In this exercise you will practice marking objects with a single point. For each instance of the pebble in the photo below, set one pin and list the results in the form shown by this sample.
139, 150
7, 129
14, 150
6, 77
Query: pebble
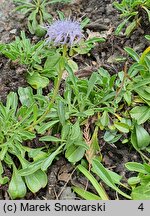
1, 29
106, 21
13, 31
110, 9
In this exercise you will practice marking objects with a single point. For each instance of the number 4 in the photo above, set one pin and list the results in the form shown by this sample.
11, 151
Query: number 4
141, 207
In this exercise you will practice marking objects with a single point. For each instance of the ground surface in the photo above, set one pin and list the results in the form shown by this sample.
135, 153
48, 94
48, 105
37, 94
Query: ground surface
104, 19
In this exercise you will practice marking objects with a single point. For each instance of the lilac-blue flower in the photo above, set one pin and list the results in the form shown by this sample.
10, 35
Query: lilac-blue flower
64, 32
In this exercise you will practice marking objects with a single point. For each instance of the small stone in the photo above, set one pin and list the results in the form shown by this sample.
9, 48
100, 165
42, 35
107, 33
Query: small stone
103, 54
1, 29
106, 21
109, 9
13, 31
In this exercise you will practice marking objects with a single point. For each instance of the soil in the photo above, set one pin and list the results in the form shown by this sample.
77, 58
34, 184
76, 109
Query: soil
103, 21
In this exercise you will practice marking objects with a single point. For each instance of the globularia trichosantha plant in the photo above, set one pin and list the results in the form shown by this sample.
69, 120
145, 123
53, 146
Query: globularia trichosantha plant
37, 113
108, 101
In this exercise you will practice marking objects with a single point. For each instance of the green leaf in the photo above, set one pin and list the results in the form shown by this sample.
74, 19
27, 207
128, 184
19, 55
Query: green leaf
85, 194
134, 140
142, 136
84, 22
12, 101
65, 131
108, 136
133, 181
26, 135
131, 28
35, 112
75, 131
17, 188
122, 127
40, 31
144, 95
120, 26
94, 40
89, 112
51, 61
30, 168
147, 37
128, 97
60, 14
91, 83
100, 170
50, 139
132, 53
45, 126
81, 143
61, 63
37, 154
3, 180
104, 119
143, 82
48, 161
3, 152
26, 114
114, 176
101, 192
36, 181
147, 167
140, 113
61, 112
26, 96
72, 78
111, 137
95, 141
74, 153
37, 81
141, 193
73, 65
148, 12
136, 167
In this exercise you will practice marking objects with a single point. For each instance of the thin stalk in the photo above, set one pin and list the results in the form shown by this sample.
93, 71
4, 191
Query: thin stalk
56, 89
51, 102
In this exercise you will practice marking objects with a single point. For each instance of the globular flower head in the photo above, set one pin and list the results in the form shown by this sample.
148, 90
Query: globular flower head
64, 32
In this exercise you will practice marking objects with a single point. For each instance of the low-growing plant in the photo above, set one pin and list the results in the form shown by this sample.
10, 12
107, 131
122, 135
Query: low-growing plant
115, 104
28, 165
42, 59
139, 183
37, 14
23, 51
13, 122
131, 12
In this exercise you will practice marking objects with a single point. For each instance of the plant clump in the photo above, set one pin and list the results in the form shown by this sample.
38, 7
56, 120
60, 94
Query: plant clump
76, 119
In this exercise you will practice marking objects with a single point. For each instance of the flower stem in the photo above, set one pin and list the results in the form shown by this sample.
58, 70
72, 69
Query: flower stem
56, 89
64, 50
